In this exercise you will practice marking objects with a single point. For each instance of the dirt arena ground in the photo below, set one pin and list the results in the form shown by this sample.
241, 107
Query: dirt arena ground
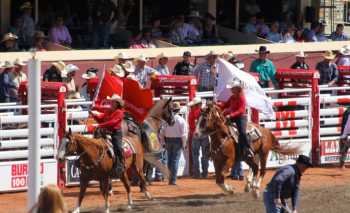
325, 190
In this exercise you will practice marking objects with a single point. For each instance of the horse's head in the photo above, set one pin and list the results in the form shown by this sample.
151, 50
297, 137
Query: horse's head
209, 120
167, 113
68, 146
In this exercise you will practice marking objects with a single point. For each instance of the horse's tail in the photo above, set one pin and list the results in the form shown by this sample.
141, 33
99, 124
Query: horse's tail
154, 159
285, 149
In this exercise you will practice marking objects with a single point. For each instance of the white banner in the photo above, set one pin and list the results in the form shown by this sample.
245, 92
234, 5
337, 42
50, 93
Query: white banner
330, 152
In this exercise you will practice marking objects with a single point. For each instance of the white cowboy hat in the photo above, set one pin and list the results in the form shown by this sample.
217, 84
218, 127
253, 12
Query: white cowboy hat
75, 95
19, 62
212, 52
194, 14
141, 58
234, 84
132, 77
162, 55
329, 55
121, 56
8, 64
301, 54
26, 5
117, 98
9, 36
71, 68
129, 67
89, 75
118, 70
60, 65
345, 50
195, 101
230, 55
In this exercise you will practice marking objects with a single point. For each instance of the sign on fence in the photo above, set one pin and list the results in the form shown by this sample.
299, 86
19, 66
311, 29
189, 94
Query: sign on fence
330, 152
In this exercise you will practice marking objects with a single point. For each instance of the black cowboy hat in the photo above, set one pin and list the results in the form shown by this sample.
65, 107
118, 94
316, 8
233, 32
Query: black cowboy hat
303, 159
263, 49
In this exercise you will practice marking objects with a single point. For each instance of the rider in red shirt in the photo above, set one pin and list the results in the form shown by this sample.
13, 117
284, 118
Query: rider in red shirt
235, 111
111, 119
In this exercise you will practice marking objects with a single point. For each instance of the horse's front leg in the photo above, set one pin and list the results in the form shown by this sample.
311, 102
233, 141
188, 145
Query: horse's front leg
249, 180
105, 187
84, 182
220, 179
124, 178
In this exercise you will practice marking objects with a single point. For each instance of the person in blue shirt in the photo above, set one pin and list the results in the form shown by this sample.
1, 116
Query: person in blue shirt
338, 34
274, 35
284, 185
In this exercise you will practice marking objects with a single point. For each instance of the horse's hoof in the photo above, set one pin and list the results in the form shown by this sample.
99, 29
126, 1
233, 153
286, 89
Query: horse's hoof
77, 210
129, 207
256, 193
110, 192
107, 211
247, 188
148, 196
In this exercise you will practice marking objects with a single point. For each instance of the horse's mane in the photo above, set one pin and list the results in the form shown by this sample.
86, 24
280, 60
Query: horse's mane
157, 108
90, 141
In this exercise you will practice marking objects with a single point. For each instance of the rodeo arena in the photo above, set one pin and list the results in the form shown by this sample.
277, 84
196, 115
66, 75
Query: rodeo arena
174, 106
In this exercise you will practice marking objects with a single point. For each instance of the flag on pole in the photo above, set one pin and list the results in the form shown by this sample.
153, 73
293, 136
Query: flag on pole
108, 86
255, 95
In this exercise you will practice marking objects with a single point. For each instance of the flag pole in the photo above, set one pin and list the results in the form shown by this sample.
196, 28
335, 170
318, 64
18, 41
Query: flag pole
99, 86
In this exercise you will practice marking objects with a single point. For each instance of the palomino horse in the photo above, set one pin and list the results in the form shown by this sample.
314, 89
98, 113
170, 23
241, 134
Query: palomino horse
224, 148
95, 162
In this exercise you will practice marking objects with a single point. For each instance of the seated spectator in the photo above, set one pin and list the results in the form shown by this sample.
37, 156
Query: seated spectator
146, 39
156, 31
39, 41
344, 56
17, 76
274, 35
264, 67
299, 35
288, 35
9, 43
59, 33
50, 201
206, 72
311, 35
143, 72
162, 67
210, 30
261, 28
250, 27
28, 27
320, 35
195, 19
184, 67
16, 29
300, 62
70, 71
327, 69
53, 74
183, 33
6, 86
338, 34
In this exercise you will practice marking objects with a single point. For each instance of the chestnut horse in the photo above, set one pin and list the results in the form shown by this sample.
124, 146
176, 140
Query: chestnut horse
95, 162
224, 148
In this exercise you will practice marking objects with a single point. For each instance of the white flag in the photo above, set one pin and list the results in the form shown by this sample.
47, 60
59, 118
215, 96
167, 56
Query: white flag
255, 95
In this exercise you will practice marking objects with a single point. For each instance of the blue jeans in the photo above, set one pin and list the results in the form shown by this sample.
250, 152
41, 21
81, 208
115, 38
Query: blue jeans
237, 169
173, 147
198, 143
270, 205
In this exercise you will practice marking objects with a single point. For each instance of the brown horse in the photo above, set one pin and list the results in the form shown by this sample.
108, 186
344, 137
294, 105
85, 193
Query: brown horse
95, 162
224, 148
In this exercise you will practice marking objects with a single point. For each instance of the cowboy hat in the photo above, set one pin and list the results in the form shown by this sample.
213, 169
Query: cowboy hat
129, 67
304, 160
89, 75
176, 106
234, 84
141, 58
60, 65
230, 56
118, 70
116, 98
329, 55
262, 49
345, 50
75, 95
39, 34
212, 53
92, 69
195, 101
194, 14
26, 5
70, 68
9, 36
8, 64
121, 56
18, 62
301, 54
162, 55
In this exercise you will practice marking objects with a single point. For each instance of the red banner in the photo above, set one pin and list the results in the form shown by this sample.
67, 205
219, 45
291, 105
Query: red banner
110, 85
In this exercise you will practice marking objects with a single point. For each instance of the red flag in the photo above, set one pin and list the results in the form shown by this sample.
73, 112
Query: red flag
108, 86
138, 101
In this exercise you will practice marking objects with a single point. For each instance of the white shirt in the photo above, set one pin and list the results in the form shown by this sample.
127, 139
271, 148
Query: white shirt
178, 130
344, 61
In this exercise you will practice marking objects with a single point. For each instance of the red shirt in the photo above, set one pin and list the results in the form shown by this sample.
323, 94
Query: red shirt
193, 116
234, 107
112, 121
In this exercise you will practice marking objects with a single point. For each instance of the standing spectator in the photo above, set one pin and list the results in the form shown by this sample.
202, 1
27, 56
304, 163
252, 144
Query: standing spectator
39, 41
344, 56
16, 29
53, 74
250, 27
175, 137
311, 35
210, 30
17, 76
6, 85
206, 73
261, 28
251, 7
338, 34
71, 69
156, 31
142, 71
84, 91
185, 67
198, 142
59, 33
162, 68
274, 35
28, 27
264, 67
9, 43
121, 58
327, 69
284, 185
300, 61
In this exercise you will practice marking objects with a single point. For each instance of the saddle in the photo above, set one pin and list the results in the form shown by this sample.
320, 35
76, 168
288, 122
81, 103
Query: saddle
253, 133
128, 148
